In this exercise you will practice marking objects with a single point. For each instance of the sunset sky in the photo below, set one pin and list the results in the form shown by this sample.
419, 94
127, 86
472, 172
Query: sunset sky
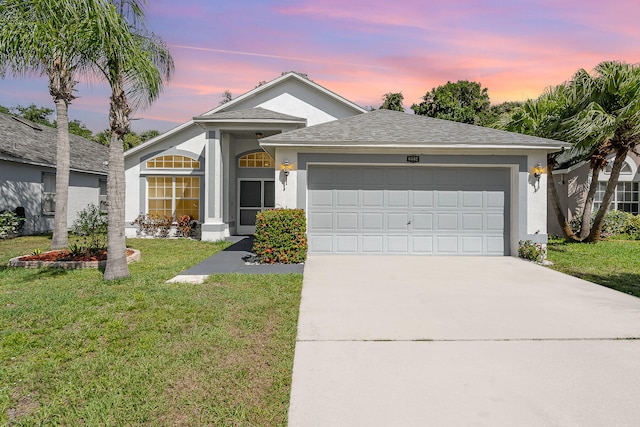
362, 49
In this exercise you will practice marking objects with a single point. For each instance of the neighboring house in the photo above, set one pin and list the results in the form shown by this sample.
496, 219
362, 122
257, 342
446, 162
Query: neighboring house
378, 182
572, 184
28, 172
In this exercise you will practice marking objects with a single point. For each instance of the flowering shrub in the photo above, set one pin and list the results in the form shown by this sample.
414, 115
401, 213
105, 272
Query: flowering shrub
281, 236
161, 226
9, 224
532, 251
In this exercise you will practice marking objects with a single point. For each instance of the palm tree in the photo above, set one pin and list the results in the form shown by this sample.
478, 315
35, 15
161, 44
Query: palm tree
47, 37
544, 117
609, 117
135, 64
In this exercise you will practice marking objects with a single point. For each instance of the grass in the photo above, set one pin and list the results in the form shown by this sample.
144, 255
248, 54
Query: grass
611, 263
76, 350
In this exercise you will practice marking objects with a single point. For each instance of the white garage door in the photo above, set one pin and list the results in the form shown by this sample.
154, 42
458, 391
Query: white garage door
408, 210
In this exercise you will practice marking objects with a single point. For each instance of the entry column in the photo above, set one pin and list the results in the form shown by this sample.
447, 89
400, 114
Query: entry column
213, 227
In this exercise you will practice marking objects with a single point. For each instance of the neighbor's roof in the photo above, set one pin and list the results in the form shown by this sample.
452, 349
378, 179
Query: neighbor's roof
386, 128
257, 114
23, 141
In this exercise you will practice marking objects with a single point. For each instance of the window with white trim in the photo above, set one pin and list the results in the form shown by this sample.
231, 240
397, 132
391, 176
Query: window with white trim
174, 196
259, 159
625, 197
48, 193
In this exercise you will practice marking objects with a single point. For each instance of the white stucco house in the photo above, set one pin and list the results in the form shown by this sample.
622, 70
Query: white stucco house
370, 182
28, 173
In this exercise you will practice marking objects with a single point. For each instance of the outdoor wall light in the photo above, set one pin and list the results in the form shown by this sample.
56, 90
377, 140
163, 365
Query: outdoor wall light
286, 167
538, 170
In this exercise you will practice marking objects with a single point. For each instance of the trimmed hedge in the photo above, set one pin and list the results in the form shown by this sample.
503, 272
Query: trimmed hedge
281, 236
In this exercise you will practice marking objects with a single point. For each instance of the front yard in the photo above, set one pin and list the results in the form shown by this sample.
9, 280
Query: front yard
613, 263
78, 351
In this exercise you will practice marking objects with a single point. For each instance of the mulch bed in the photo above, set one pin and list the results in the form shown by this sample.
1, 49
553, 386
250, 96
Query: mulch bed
65, 255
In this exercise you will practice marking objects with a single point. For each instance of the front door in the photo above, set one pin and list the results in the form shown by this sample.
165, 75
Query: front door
254, 195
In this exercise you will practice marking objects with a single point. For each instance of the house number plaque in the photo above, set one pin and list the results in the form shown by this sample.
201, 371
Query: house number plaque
413, 159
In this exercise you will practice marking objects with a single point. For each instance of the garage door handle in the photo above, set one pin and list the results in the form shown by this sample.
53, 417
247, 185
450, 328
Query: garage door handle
409, 223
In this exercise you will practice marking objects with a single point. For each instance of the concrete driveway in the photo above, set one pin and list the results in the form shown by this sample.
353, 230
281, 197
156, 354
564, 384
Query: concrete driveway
461, 341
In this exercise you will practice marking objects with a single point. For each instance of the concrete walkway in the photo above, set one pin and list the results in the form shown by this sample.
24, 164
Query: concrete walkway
233, 260
459, 341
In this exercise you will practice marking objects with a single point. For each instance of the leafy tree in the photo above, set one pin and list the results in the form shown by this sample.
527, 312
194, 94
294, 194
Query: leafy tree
134, 63
49, 37
463, 101
4, 110
131, 139
392, 101
76, 127
497, 111
149, 134
35, 114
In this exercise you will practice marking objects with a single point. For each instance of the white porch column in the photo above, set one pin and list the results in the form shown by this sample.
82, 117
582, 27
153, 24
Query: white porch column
213, 227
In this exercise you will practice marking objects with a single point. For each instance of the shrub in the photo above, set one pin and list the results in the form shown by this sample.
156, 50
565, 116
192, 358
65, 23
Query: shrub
616, 222
281, 236
91, 223
532, 251
161, 226
10, 223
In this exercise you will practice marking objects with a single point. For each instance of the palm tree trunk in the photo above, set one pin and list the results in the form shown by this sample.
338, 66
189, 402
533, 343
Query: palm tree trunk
60, 237
117, 266
565, 228
596, 229
587, 212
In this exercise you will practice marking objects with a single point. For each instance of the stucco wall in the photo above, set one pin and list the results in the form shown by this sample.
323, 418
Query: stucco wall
21, 185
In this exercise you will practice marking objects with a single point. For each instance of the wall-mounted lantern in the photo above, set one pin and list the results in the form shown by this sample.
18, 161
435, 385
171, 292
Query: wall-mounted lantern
286, 167
538, 170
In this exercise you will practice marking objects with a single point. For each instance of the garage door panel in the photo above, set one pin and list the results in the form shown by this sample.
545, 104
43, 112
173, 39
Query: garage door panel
398, 244
373, 198
321, 221
397, 199
494, 222
321, 244
373, 244
447, 245
422, 198
347, 198
346, 244
472, 199
397, 221
372, 221
321, 198
347, 221
422, 222
472, 221
447, 199
422, 244
472, 245
408, 210
447, 221
495, 199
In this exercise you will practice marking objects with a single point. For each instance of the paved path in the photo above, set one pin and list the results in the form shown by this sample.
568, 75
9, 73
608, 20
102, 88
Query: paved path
232, 260
460, 341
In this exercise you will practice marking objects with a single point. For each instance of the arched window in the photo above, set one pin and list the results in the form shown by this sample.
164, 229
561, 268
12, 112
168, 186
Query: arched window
173, 162
626, 169
259, 159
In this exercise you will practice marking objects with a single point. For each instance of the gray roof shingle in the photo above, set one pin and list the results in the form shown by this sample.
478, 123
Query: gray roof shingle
386, 127
20, 142
257, 113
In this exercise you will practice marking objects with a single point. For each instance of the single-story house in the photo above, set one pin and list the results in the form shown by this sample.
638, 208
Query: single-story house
370, 182
28, 172
572, 182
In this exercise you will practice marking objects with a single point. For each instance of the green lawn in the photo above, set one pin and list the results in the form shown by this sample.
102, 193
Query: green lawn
78, 351
613, 263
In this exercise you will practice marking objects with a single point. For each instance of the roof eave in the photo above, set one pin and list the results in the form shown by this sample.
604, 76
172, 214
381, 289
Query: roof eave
352, 144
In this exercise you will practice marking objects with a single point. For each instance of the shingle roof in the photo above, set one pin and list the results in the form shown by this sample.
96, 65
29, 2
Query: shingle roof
257, 113
386, 127
21, 142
